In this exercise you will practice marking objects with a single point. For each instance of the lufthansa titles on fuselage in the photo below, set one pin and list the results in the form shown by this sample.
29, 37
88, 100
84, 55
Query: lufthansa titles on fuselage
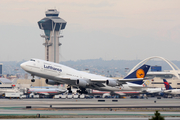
52, 68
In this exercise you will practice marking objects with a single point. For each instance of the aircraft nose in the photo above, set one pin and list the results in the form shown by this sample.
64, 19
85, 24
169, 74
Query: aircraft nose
23, 65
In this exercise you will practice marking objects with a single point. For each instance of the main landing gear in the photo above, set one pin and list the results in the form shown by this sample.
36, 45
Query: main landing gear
82, 91
69, 89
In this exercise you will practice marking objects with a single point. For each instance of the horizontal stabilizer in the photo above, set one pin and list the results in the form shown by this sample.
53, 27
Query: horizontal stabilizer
130, 79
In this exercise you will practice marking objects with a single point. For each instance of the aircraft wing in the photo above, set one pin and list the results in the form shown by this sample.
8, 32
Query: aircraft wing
140, 86
77, 78
118, 80
103, 80
75, 81
123, 81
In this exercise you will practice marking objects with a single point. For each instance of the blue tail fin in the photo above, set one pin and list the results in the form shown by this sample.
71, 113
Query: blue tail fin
167, 85
139, 73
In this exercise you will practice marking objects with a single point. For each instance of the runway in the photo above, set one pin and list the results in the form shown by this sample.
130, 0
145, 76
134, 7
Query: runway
91, 103
168, 118
90, 108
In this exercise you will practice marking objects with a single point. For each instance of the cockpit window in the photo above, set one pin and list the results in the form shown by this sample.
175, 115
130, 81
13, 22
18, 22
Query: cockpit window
32, 60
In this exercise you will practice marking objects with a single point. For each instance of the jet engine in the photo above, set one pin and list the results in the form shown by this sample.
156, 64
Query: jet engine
111, 83
51, 82
81, 83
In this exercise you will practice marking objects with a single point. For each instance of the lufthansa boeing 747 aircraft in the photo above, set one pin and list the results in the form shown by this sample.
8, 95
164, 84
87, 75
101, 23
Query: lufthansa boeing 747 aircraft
60, 74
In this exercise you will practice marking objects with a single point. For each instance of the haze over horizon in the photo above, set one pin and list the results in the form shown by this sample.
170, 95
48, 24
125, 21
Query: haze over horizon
119, 30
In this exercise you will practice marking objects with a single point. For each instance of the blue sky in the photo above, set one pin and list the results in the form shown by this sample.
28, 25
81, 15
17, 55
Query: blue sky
107, 29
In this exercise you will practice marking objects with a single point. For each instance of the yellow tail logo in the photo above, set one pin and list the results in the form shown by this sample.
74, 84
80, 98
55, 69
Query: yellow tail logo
140, 73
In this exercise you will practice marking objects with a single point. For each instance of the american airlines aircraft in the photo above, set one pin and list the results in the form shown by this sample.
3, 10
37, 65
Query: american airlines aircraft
60, 74
49, 92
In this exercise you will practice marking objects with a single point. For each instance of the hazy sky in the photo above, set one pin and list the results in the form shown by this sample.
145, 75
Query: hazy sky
108, 29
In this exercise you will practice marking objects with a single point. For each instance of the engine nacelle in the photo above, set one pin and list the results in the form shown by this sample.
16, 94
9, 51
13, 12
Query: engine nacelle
111, 83
81, 83
51, 82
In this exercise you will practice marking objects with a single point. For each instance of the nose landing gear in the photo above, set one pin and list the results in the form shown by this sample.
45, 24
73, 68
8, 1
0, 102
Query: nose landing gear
32, 80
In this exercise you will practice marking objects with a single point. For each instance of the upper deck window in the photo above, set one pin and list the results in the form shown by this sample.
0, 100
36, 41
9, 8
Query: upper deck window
32, 60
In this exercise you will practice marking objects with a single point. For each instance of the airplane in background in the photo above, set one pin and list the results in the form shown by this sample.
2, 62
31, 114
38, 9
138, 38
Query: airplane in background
110, 93
153, 91
169, 89
46, 92
60, 74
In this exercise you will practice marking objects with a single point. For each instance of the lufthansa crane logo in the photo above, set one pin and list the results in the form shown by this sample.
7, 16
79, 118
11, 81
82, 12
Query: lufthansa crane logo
140, 73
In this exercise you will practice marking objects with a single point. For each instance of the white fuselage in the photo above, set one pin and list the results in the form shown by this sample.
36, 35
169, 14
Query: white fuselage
3, 91
154, 90
173, 91
56, 72
51, 91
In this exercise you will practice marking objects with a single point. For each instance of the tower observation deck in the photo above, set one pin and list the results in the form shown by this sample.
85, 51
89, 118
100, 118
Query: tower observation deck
52, 26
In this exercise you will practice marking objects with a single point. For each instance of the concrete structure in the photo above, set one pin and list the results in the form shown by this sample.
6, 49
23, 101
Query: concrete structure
38, 82
52, 26
8, 86
172, 76
5, 81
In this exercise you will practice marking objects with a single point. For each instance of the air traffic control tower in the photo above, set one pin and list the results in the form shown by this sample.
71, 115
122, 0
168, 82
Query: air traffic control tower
52, 26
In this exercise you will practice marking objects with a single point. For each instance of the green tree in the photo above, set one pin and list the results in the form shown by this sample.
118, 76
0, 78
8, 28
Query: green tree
157, 116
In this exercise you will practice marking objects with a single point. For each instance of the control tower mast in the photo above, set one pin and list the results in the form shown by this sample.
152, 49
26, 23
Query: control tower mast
52, 26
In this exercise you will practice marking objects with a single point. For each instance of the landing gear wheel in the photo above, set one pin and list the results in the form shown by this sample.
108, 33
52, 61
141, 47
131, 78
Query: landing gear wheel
32, 80
82, 91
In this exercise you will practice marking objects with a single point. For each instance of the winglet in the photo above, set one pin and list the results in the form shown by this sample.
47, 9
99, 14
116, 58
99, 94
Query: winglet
167, 85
